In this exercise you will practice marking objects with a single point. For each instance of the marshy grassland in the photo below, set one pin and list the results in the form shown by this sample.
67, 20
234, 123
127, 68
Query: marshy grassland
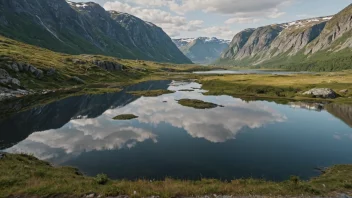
82, 66
279, 86
98, 80
24, 175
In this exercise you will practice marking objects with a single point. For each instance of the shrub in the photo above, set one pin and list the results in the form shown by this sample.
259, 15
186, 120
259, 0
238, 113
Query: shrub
348, 186
101, 179
294, 179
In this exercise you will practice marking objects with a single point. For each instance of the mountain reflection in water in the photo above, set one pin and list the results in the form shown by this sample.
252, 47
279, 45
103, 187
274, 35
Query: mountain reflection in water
241, 139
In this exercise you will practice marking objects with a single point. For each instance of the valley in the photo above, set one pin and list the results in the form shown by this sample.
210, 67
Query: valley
102, 103
316, 44
202, 50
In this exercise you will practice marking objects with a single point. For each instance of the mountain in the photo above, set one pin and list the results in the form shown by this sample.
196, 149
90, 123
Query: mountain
320, 44
202, 50
149, 38
85, 28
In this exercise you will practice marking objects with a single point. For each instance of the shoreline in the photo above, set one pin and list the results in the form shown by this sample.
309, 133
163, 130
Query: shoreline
247, 87
25, 176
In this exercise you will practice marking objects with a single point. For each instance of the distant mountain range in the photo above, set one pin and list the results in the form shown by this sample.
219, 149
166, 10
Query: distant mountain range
85, 28
202, 50
321, 44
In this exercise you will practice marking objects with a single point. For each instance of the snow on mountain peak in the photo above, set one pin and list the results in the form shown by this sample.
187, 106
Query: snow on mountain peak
306, 22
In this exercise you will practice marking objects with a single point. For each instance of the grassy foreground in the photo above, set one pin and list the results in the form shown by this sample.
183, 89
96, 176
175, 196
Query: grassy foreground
278, 86
27, 176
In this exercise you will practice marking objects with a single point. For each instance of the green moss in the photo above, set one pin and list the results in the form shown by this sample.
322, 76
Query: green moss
23, 175
197, 104
125, 117
150, 93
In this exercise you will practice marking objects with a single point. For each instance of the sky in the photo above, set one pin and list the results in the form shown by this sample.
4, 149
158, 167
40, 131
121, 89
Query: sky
220, 18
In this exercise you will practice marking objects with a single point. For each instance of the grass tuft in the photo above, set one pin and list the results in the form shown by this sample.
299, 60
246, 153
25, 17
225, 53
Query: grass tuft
125, 117
101, 179
197, 104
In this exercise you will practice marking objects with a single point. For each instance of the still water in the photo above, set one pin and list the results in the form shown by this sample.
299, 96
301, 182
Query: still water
242, 139
252, 71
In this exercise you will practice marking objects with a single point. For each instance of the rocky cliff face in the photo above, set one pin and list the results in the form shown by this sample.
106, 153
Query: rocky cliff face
80, 28
311, 43
341, 111
202, 50
237, 43
151, 39
339, 26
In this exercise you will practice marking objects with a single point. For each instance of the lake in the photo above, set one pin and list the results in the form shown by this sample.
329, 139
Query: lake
256, 139
252, 71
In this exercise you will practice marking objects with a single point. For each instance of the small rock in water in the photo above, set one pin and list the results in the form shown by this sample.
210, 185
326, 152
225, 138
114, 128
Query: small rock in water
321, 92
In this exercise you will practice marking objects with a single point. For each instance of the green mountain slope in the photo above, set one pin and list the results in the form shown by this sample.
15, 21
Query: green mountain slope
77, 28
318, 44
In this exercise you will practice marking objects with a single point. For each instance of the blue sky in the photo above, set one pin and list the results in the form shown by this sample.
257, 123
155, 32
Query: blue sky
220, 18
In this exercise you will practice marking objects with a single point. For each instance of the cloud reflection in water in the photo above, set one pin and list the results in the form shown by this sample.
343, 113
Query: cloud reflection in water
215, 125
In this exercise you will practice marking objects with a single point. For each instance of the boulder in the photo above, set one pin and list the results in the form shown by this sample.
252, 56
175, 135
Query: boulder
4, 74
25, 67
51, 72
321, 93
7, 80
38, 73
31, 68
6, 93
107, 65
344, 91
15, 82
79, 61
15, 67
20, 66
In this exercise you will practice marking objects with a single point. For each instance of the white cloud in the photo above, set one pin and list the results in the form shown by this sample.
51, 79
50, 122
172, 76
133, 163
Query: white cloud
241, 20
215, 125
81, 136
275, 13
171, 14
228, 6
220, 31
171, 24
103, 133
